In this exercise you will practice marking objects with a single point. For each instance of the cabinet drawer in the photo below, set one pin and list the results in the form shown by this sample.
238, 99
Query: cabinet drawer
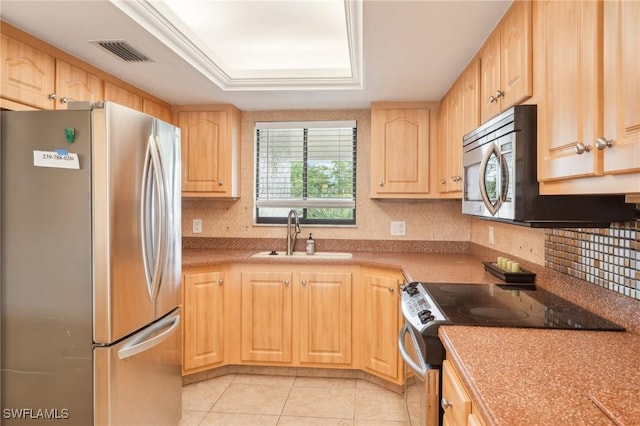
455, 399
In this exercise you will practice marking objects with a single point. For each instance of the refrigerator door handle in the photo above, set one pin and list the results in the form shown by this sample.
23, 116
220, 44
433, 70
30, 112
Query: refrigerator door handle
164, 254
156, 334
153, 219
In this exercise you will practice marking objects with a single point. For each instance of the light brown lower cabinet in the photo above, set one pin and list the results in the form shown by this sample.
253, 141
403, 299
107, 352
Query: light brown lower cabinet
458, 406
203, 310
293, 315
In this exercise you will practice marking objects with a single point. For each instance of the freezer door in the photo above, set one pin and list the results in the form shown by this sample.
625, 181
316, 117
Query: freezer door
138, 381
123, 297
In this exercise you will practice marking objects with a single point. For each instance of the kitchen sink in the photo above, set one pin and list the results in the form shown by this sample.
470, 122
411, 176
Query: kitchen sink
302, 255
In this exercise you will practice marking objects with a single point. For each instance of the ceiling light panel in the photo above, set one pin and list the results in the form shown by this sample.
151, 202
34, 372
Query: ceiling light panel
265, 44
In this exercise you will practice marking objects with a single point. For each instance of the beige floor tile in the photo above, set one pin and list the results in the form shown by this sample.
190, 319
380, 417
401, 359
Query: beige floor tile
252, 399
323, 382
201, 396
262, 379
233, 419
380, 405
366, 385
380, 423
192, 418
320, 402
313, 421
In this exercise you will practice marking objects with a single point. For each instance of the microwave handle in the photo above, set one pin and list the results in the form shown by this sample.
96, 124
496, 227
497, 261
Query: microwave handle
493, 209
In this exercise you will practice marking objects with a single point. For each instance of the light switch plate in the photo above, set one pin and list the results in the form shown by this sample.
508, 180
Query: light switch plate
197, 226
398, 229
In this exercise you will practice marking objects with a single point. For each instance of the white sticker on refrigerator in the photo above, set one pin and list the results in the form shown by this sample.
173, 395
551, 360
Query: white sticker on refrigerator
60, 159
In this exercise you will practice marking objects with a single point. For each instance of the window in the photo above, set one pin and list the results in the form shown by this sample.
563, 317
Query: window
309, 167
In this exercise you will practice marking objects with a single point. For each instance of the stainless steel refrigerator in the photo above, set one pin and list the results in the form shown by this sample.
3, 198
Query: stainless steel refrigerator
90, 216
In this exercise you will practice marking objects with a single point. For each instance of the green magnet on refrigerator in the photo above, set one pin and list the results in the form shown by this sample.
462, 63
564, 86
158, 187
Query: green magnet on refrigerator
70, 133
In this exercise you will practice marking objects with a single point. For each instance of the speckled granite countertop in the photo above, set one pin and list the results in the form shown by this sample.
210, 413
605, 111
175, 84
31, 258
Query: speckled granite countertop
548, 377
433, 267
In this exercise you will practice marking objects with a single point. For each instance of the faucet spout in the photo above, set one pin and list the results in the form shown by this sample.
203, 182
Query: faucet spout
292, 235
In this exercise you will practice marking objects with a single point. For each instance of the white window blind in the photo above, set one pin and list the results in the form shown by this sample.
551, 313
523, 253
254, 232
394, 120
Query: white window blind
310, 166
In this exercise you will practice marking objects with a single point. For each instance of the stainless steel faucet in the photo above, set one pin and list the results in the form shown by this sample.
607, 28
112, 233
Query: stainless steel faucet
291, 238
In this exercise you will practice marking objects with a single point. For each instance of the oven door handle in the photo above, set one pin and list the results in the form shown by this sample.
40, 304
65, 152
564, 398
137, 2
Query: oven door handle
420, 370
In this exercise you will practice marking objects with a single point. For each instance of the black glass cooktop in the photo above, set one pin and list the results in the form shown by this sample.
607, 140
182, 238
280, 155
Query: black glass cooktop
510, 306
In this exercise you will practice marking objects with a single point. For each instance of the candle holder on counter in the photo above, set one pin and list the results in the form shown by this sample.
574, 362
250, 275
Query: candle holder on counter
509, 271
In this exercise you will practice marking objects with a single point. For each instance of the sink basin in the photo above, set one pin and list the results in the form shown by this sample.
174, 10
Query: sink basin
303, 255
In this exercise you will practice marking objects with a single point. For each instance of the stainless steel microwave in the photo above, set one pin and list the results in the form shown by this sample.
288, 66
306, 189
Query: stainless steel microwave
499, 162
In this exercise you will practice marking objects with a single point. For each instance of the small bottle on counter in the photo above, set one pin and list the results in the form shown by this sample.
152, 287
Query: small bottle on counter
311, 245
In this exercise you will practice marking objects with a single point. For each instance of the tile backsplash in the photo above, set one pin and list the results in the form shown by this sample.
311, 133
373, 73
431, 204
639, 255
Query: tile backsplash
607, 257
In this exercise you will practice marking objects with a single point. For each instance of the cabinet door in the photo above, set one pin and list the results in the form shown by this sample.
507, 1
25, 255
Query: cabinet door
454, 397
159, 111
75, 84
122, 96
454, 142
572, 99
399, 151
516, 55
622, 86
205, 156
443, 141
490, 77
381, 324
470, 99
28, 75
266, 316
325, 317
203, 309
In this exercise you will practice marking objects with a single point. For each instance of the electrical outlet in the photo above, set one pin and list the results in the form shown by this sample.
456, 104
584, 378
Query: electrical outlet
398, 229
197, 226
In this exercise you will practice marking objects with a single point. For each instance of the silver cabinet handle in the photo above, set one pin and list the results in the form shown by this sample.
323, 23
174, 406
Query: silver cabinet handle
52, 96
602, 143
443, 181
286, 282
390, 289
381, 183
492, 99
445, 403
582, 148
456, 178
221, 183
220, 281
304, 282
499, 93
64, 100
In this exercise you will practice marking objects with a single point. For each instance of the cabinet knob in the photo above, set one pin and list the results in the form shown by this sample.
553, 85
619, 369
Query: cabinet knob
602, 143
381, 183
499, 94
445, 403
390, 289
582, 148
443, 181
220, 281
456, 178
286, 282
52, 96
221, 183
304, 282
64, 100
492, 99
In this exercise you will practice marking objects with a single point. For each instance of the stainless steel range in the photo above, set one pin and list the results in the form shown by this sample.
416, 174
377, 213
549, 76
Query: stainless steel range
426, 306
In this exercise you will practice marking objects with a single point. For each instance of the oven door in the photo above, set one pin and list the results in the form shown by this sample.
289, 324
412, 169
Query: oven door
423, 396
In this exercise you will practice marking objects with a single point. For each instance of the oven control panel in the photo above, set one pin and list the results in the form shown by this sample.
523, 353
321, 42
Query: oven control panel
417, 306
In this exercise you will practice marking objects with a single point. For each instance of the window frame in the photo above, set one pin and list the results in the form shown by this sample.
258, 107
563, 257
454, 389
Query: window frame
303, 210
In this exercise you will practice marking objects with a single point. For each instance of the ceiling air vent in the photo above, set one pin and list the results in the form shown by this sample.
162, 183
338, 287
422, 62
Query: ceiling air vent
122, 50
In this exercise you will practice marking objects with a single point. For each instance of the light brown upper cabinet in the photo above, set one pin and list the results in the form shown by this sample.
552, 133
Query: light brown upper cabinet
75, 84
400, 157
122, 96
506, 59
28, 74
210, 151
459, 114
589, 120
157, 110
